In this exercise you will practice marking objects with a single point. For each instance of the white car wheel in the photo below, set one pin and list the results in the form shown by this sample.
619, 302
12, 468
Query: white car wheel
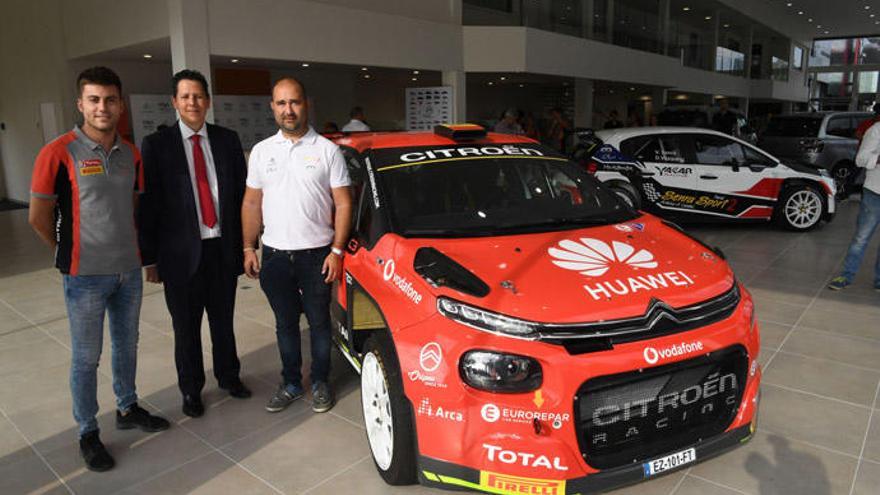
802, 209
378, 416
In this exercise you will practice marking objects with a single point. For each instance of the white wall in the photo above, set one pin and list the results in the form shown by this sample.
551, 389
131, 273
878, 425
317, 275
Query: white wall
94, 26
34, 70
319, 32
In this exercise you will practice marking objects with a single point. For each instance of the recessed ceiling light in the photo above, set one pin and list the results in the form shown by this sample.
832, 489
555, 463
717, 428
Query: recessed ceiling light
415, 79
364, 68
522, 85
685, 9
491, 83
234, 61
727, 25
611, 91
867, 7
415, 72
502, 78
818, 26
827, 32
632, 88
708, 17
810, 19
366, 76
788, 4
305, 64
800, 12
871, 16
147, 56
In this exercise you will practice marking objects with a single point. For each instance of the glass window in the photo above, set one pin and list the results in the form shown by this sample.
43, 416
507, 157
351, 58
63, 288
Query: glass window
499, 5
868, 81
658, 149
717, 150
729, 61
869, 51
636, 24
754, 157
834, 83
780, 69
840, 126
797, 57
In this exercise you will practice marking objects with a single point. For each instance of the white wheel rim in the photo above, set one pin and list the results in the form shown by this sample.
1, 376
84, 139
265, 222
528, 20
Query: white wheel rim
377, 411
803, 209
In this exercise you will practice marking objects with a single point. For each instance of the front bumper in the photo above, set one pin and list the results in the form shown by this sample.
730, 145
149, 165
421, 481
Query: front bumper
433, 472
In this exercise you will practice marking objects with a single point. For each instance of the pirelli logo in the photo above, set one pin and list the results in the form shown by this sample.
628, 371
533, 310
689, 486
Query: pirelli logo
505, 483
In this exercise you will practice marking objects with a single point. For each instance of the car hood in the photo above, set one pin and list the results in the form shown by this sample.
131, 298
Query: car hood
588, 274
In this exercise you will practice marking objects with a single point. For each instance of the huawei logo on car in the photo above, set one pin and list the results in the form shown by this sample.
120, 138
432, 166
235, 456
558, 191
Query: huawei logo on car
593, 257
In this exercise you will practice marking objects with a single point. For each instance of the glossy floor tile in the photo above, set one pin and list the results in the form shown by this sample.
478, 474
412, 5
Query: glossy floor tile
819, 428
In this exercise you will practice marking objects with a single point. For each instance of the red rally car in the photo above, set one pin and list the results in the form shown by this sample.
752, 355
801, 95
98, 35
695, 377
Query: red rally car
520, 329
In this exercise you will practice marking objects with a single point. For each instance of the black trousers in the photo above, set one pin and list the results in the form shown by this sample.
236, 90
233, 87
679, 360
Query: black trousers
211, 289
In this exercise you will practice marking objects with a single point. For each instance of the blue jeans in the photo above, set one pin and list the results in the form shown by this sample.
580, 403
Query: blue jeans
869, 218
293, 283
88, 297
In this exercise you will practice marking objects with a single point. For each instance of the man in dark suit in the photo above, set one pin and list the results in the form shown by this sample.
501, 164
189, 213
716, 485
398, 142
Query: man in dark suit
190, 235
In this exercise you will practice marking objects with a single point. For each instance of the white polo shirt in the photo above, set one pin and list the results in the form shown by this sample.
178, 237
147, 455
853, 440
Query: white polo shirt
296, 178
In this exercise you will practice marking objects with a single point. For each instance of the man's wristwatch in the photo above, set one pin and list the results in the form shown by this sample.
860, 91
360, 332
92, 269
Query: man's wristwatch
336, 251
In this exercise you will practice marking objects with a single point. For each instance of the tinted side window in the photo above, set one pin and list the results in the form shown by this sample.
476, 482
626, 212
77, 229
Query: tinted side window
840, 126
755, 158
716, 150
663, 148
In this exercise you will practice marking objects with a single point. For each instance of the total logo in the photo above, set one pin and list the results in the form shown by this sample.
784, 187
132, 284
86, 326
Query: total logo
494, 452
491, 413
426, 409
402, 284
593, 258
652, 355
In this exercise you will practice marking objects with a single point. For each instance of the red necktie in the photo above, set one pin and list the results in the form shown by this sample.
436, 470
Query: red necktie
209, 216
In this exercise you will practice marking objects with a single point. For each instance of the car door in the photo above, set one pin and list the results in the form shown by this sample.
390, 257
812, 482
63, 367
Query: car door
734, 179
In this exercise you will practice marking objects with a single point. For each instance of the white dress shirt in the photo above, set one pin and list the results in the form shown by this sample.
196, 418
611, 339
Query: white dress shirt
205, 231
869, 153
355, 125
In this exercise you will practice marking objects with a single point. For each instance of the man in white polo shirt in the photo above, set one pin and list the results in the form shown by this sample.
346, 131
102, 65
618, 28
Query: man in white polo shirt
297, 188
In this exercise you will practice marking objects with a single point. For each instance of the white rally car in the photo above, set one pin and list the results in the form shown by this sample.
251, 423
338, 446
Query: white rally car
698, 174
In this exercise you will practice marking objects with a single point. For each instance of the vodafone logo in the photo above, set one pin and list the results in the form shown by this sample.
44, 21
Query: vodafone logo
388, 272
592, 257
430, 356
652, 355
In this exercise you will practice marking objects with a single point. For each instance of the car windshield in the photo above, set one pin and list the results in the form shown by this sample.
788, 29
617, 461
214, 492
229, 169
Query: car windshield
793, 127
491, 190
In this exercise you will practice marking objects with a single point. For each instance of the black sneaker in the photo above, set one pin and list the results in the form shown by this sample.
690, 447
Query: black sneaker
322, 397
284, 397
138, 417
94, 453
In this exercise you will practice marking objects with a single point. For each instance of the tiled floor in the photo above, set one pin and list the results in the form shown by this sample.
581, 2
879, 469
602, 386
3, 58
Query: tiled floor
819, 431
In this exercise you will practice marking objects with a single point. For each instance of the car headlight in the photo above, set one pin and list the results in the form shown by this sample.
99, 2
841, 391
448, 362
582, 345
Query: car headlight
500, 372
486, 320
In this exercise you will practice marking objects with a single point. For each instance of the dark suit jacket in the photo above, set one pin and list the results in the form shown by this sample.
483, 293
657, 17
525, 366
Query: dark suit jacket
168, 222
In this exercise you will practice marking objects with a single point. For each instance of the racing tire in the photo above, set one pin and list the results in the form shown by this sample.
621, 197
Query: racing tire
387, 413
627, 193
800, 208
844, 174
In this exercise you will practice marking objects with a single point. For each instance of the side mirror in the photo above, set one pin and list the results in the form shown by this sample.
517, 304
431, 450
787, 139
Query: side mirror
757, 167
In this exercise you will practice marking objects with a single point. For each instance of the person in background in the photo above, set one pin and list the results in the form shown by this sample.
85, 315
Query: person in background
83, 196
298, 187
508, 123
330, 128
867, 123
356, 124
613, 121
530, 127
869, 212
191, 236
559, 129
725, 120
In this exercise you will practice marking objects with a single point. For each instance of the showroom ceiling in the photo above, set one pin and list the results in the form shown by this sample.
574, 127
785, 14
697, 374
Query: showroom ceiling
806, 20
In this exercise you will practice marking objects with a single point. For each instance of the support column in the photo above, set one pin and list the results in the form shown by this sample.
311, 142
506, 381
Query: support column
663, 26
657, 104
854, 98
190, 46
587, 20
583, 102
716, 40
457, 79
750, 40
609, 22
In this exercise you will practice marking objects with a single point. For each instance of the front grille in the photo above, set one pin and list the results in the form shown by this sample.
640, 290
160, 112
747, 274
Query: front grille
658, 319
634, 416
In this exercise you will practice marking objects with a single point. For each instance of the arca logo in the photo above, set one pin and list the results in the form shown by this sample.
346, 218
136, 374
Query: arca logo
592, 257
